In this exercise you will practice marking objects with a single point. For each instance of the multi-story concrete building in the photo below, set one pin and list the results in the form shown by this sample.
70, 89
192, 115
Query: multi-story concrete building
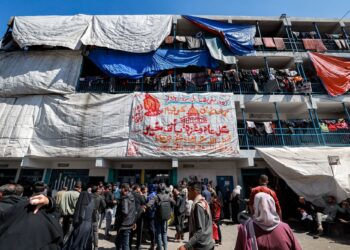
273, 108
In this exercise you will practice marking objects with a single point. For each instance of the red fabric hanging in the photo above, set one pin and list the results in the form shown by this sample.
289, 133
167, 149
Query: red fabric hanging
333, 71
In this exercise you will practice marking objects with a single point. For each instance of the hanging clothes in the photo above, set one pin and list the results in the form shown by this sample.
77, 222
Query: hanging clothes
339, 44
258, 41
309, 44
251, 124
344, 44
324, 127
269, 43
268, 127
279, 43
319, 46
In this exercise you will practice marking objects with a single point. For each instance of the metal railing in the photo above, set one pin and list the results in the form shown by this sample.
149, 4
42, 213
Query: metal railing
299, 137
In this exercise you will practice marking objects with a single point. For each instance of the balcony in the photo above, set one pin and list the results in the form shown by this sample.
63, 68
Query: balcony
128, 86
299, 138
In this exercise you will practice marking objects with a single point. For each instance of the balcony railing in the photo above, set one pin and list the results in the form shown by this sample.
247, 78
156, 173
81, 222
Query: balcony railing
128, 86
299, 138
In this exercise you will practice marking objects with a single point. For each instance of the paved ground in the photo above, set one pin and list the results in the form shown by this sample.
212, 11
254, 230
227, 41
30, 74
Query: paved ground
229, 240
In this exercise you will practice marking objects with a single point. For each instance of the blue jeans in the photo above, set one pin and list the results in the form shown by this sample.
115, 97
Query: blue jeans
122, 240
161, 231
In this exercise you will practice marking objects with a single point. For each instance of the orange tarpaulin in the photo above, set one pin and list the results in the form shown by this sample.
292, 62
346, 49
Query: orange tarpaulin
333, 71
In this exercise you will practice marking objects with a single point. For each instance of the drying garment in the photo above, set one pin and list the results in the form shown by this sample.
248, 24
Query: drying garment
198, 79
258, 41
268, 127
339, 44
218, 50
314, 44
251, 124
333, 71
131, 33
136, 65
344, 44
194, 43
279, 43
269, 43
64, 31
324, 127
239, 38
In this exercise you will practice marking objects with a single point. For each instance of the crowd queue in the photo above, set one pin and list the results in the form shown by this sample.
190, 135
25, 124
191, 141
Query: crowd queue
70, 219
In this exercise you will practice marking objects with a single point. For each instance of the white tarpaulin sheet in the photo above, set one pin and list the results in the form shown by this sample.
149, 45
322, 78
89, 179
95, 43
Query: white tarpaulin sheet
64, 31
132, 33
307, 171
82, 125
17, 118
35, 72
179, 124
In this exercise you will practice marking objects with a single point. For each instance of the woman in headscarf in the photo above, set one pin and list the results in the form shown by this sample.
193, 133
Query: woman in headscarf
265, 230
235, 203
82, 234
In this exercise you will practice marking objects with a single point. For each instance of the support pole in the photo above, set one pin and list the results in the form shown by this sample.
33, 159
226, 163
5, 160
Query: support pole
279, 123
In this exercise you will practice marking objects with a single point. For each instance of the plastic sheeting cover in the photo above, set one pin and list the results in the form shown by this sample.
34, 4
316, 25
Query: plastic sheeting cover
17, 118
64, 31
131, 65
82, 125
218, 50
333, 71
132, 33
34, 72
308, 173
239, 38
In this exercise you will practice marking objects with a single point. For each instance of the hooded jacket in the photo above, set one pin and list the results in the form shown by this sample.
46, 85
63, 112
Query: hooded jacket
126, 212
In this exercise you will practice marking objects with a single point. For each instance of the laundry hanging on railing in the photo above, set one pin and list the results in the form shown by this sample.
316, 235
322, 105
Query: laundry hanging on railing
136, 65
333, 71
239, 38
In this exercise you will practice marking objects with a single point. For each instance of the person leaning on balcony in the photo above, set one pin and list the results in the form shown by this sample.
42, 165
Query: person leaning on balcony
264, 180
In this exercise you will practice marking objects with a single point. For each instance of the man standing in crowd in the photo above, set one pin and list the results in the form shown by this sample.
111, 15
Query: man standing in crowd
140, 202
163, 203
126, 217
264, 180
150, 216
205, 193
12, 194
110, 203
200, 223
67, 207
99, 204
179, 213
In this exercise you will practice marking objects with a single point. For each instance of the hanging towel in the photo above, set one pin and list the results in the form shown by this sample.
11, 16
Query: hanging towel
258, 41
268, 127
319, 46
339, 44
309, 44
279, 43
344, 44
181, 38
269, 43
251, 124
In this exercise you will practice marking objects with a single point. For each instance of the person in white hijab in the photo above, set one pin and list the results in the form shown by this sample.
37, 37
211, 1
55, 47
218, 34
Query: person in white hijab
265, 230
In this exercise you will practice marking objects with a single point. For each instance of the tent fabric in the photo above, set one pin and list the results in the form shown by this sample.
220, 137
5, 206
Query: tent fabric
82, 125
17, 117
239, 38
131, 33
308, 173
219, 51
64, 31
333, 71
36, 72
136, 65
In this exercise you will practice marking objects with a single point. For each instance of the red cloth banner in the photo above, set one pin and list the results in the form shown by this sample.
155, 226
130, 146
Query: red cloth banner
333, 71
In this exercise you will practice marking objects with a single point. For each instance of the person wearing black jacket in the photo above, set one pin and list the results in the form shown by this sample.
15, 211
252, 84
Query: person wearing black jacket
179, 213
140, 202
126, 217
99, 204
110, 203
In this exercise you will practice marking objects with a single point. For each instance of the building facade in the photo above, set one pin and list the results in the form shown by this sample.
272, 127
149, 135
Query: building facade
278, 99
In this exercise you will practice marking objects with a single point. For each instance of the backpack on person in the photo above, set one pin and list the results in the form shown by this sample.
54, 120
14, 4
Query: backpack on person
163, 207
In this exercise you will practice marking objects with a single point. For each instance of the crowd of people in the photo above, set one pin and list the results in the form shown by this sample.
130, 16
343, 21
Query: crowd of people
70, 219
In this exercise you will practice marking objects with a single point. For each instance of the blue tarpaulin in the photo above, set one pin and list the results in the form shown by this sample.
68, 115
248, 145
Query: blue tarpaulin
136, 65
239, 38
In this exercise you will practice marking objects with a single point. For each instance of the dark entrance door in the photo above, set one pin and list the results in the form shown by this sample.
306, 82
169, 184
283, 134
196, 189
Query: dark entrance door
225, 181
7, 175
